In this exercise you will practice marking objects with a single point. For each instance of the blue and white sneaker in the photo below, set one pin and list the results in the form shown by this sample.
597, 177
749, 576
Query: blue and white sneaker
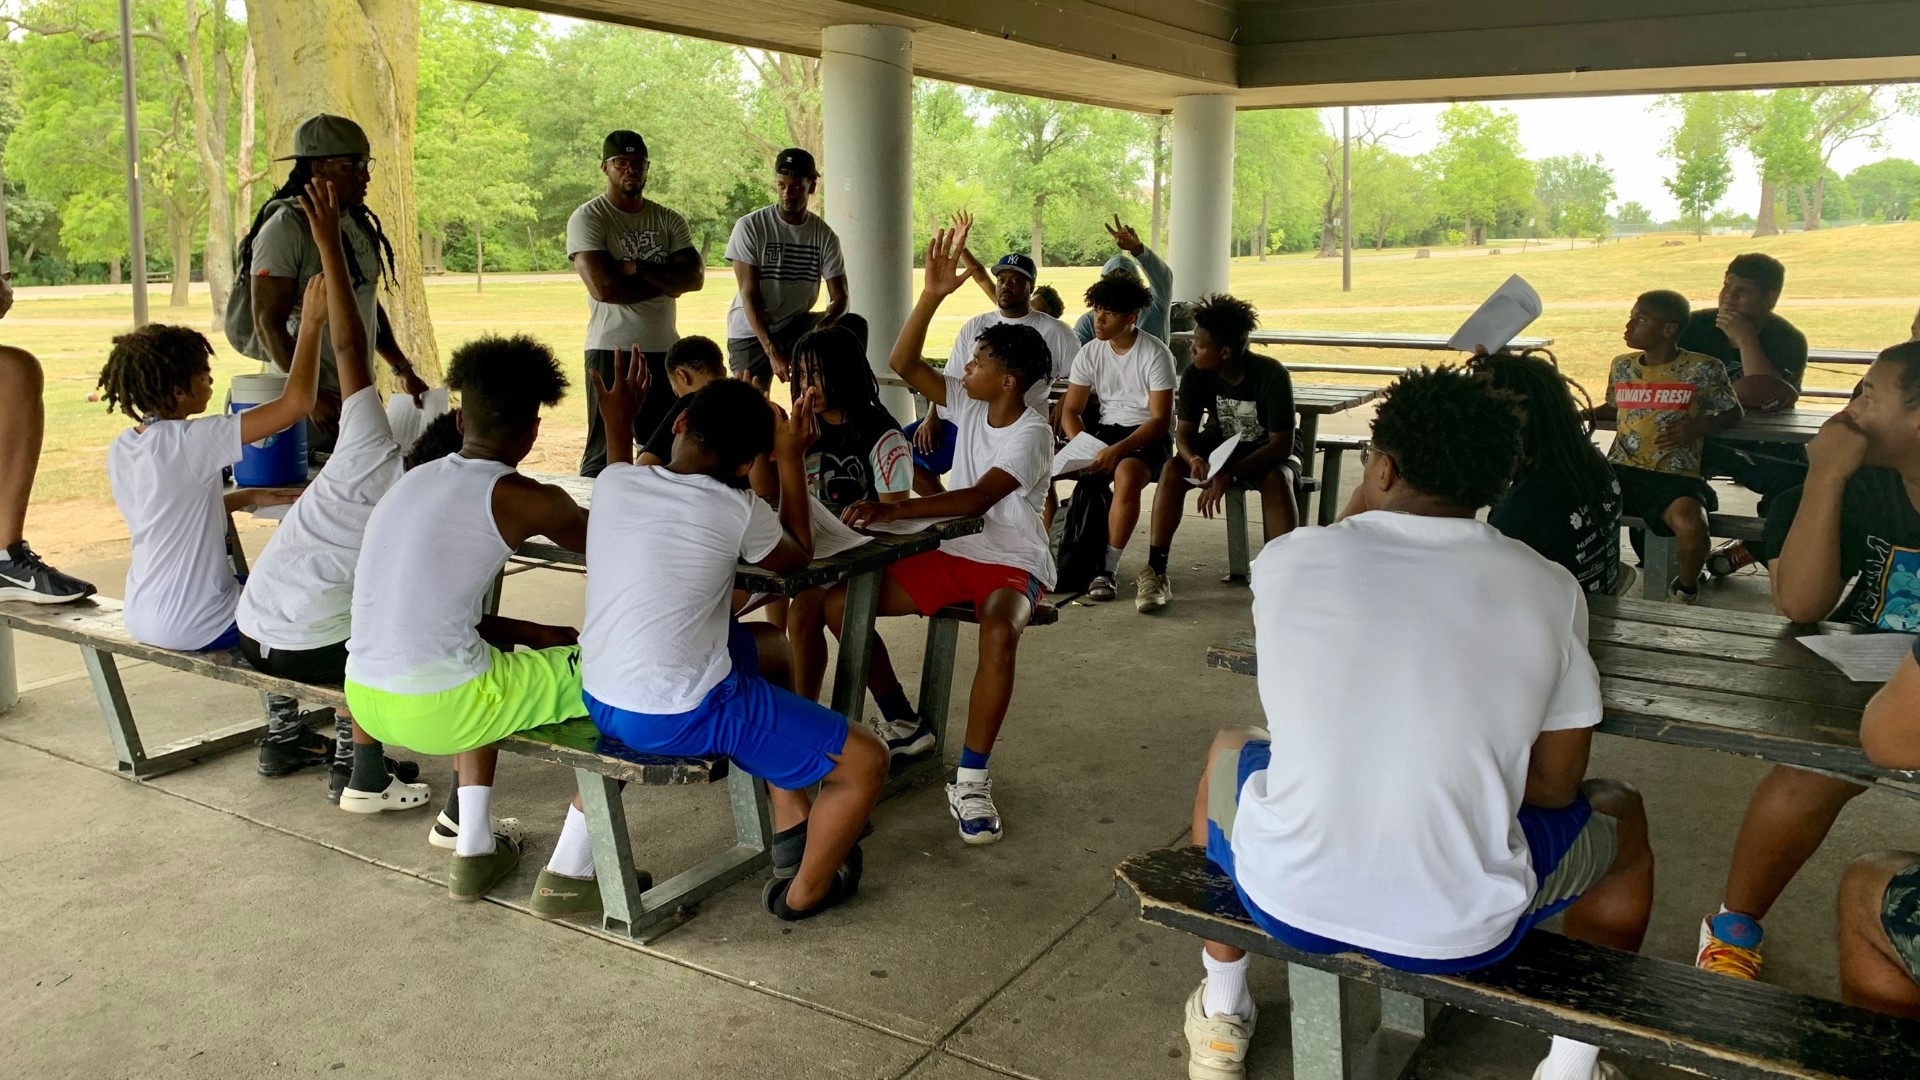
971, 803
905, 738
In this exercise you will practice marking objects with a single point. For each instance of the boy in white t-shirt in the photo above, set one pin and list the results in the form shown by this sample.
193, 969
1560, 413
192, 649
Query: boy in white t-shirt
1131, 374
294, 610
166, 477
1002, 465
1420, 796
666, 670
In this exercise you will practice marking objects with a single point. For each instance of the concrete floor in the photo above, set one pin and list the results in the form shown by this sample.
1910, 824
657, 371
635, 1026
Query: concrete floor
213, 923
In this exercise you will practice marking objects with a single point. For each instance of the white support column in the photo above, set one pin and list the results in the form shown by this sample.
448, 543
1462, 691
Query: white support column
1200, 233
866, 99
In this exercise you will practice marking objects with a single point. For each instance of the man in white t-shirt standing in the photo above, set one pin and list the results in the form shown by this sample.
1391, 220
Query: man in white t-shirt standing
1012, 289
636, 258
780, 255
1419, 798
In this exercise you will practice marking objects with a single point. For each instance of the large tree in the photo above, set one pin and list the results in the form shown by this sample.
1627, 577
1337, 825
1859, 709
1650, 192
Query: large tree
1698, 149
1478, 169
1573, 191
1887, 189
1063, 164
1390, 196
1277, 165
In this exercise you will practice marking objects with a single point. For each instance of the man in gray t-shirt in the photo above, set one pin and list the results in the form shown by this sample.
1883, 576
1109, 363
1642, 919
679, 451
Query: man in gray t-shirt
781, 254
635, 257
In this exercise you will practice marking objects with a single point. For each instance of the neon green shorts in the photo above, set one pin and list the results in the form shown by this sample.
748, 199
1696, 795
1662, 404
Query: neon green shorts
521, 690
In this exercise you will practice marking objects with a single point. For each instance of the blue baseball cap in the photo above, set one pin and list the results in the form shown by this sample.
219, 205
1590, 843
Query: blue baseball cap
1017, 263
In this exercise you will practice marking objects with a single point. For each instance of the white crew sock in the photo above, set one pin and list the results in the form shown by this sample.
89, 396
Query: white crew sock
1226, 987
1569, 1060
573, 854
1113, 560
476, 806
970, 776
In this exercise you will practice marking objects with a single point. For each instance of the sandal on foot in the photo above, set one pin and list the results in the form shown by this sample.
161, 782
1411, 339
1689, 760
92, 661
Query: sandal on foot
398, 795
561, 896
845, 883
445, 833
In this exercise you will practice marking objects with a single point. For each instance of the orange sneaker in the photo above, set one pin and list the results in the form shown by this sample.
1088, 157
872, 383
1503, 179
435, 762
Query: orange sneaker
1730, 945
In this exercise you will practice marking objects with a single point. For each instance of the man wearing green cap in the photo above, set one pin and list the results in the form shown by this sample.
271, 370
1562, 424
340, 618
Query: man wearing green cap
278, 257
635, 257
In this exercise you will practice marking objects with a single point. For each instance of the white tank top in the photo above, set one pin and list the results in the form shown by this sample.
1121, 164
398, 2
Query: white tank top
430, 554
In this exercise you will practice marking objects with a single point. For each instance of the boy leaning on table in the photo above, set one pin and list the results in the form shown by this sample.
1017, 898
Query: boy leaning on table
1856, 519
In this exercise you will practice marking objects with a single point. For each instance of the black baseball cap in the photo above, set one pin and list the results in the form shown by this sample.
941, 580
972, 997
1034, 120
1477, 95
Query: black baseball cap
796, 162
1017, 263
623, 142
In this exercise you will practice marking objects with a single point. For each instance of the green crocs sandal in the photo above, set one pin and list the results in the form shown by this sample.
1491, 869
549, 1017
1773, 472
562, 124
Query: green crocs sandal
473, 875
559, 896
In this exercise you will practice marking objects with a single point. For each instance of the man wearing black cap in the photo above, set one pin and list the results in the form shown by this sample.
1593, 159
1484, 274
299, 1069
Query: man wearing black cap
635, 257
780, 255
278, 257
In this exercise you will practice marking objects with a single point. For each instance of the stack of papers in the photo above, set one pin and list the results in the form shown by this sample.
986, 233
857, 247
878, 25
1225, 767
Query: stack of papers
1511, 309
1077, 454
1862, 657
1217, 460
905, 526
831, 536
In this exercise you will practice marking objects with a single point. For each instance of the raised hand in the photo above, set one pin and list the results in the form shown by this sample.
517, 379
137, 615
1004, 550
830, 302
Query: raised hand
1124, 236
943, 275
621, 401
322, 207
313, 305
795, 432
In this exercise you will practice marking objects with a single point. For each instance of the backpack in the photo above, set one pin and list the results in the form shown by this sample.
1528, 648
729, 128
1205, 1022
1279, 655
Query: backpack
1082, 549
241, 333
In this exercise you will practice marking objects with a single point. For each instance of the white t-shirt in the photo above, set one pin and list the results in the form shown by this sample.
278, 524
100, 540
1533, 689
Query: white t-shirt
1061, 345
299, 594
793, 260
1012, 534
181, 592
1123, 380
661, 552
284, 248
1407, 664
650, 236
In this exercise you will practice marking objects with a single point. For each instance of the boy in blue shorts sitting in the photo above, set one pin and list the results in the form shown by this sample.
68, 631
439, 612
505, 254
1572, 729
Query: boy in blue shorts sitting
1419, 795
667, 671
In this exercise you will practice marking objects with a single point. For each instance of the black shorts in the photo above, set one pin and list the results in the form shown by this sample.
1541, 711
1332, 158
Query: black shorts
748, 360
324, 666
1153, 455
1646, 494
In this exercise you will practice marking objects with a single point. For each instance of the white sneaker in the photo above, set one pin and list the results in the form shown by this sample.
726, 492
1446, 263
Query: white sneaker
971, 803
1678, 595
445, 833
1602, 1070
399, 795
1101, 588
905, 738
1216, 1045
1151, 591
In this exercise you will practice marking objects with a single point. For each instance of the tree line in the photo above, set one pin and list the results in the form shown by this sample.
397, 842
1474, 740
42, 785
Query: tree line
511, 109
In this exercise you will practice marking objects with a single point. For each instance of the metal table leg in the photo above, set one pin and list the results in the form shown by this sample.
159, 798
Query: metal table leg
1662, 566
936, 697
856, 644
128, 748
9, 679
1321, 1007
1309, 437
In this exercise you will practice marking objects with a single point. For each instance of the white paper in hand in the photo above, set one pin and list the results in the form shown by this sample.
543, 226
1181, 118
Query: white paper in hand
1862, 657
1511, 309
831, 536
408, 420
1077, 454
906, 526
1217, 460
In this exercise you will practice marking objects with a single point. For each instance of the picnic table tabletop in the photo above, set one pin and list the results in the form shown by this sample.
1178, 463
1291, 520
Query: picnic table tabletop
1322, 399
1785, 426
1364, 339
1732, 681
883, 549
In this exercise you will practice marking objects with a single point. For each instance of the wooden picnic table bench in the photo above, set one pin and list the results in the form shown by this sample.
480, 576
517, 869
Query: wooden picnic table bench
1368, 339
1731, 681
601, 765
1641, 1006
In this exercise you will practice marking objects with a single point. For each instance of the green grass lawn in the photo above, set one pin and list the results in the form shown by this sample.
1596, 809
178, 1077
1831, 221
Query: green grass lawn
1870, 267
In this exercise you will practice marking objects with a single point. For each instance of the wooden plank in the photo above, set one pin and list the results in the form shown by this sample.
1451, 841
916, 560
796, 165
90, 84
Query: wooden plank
1322, 399
1361, 339
1775, 653
1706, 618
1635, 1005
1785, 426
578, 744
1806, 686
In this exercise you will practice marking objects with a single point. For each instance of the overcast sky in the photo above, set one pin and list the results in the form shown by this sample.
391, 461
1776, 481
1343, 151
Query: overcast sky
1629, 137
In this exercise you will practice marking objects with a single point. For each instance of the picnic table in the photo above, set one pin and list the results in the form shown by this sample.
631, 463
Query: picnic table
861, 568
1731, 681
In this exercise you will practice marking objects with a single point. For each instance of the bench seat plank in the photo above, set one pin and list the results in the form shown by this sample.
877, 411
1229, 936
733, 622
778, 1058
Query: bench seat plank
1044, 614
578, 744
1639, 1006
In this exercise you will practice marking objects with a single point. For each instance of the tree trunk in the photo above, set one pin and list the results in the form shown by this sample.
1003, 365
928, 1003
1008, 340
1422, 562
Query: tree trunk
360, 59
1766, 222
210, 147
1808, 221
479, 260
1154, 239
113, 272
1466, 229
1039, 230
180, 250
1819, 201
243, 158
1264, 234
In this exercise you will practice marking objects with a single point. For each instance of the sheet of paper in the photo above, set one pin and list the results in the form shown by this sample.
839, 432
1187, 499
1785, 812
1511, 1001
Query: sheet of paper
409, 421
1077, 454
831, 536
1862, 657
906, 526
270, 513
1217, 460
1511, 309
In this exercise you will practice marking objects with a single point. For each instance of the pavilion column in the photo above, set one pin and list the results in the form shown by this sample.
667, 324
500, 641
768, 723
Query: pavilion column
866, 100
1200, 233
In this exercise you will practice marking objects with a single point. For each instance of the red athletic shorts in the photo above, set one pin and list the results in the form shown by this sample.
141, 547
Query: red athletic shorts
936, 579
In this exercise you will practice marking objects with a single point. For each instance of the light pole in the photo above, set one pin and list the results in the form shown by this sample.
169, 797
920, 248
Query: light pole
1346, 199
136, 216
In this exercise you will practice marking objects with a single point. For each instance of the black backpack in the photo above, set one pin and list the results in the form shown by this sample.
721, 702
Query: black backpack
1082, 549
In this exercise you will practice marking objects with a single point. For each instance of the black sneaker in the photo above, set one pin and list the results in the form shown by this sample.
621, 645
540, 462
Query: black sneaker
286, 757
23, 576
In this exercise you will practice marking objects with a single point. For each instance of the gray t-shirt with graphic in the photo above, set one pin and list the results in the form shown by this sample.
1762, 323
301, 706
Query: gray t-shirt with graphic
650, 236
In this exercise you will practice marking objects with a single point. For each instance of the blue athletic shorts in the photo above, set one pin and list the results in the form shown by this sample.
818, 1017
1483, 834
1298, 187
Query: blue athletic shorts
1572, 849
775, 734
941, 461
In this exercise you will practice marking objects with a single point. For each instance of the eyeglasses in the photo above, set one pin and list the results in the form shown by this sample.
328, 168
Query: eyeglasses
1368, 453
361, 165
629, 164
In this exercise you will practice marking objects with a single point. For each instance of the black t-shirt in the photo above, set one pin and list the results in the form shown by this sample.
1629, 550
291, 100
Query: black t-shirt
1544, 512
859, 460
1879, 542
660, 443
1785, 346
1260, 404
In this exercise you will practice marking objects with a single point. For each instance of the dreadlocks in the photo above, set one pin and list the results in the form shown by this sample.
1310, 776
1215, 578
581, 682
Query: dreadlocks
295, 186
1554, 437
151, 367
